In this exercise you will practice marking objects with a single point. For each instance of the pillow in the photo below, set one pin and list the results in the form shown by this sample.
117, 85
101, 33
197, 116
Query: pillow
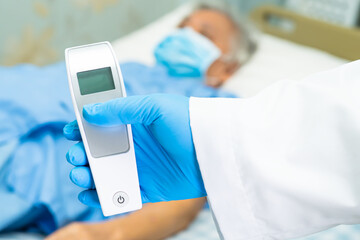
139, 45
277, 59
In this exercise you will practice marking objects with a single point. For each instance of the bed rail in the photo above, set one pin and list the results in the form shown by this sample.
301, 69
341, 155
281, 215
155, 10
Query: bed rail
334, 39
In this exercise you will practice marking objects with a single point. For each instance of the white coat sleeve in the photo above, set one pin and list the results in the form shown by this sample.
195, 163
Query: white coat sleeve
286, 162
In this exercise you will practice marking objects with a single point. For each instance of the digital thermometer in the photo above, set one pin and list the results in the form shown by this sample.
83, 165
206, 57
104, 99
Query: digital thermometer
94, 76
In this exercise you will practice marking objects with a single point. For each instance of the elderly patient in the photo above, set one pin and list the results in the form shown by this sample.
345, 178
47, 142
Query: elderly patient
35, 192
208, 44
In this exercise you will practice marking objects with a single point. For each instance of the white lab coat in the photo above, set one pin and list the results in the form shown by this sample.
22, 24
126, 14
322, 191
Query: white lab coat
286, 162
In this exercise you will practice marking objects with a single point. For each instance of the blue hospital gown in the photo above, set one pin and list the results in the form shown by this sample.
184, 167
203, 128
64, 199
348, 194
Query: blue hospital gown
35, 191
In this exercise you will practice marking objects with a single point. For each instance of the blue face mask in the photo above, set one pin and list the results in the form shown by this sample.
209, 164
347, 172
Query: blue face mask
186, 53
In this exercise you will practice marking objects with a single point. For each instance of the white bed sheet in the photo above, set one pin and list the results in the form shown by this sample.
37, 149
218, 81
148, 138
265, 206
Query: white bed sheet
275, 59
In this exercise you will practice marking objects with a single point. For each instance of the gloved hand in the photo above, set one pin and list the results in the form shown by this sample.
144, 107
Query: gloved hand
165, 154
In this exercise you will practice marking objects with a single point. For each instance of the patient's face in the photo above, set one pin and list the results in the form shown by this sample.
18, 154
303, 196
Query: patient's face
220, 29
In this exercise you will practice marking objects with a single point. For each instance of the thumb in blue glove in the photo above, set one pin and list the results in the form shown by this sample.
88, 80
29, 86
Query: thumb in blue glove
165, 154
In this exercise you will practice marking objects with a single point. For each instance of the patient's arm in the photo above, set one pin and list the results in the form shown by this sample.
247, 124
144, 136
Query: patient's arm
153, 221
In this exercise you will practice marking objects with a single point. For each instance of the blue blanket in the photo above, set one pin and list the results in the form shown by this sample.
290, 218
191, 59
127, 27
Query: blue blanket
35, 191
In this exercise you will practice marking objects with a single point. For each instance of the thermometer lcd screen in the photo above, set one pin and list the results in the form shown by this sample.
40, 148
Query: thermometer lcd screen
94, 81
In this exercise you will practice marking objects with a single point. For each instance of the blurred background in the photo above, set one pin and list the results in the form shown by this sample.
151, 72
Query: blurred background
38, 31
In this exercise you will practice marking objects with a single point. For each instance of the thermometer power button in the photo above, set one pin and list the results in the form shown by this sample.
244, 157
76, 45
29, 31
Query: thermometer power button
120, 199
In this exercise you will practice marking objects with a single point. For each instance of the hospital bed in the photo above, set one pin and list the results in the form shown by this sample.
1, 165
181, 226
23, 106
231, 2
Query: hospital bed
285, 50
292, 50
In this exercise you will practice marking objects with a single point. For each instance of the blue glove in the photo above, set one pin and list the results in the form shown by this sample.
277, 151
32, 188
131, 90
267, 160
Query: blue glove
165, 154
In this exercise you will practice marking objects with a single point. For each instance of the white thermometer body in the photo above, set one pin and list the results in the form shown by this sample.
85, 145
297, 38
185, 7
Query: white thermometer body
94, 76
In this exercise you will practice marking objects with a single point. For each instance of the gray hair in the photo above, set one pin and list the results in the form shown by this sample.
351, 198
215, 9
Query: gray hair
245, 43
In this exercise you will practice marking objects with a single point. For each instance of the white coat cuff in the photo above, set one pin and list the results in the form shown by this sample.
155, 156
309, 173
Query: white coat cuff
210, 120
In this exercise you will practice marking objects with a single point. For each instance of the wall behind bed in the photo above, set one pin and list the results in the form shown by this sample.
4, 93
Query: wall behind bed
38, 31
